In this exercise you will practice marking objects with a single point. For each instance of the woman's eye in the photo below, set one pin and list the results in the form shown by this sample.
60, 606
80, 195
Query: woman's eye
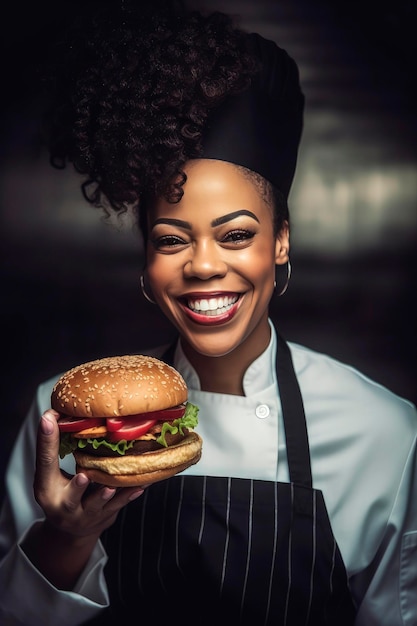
167, 241
238, 236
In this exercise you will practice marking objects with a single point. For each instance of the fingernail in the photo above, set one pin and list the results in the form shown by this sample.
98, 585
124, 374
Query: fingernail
47, 425
107, 493
136, 494
81, 480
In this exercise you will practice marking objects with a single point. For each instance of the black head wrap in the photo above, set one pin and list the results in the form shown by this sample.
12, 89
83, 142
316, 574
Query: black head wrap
260, 128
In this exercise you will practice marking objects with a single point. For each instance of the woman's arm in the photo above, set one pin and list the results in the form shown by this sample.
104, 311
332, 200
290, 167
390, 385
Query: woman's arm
391, 579
61, 546
59, 550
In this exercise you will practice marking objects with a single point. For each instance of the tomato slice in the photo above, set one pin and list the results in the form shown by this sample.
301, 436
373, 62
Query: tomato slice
74, 424
131, 429
118, 428
173, 413
165, 415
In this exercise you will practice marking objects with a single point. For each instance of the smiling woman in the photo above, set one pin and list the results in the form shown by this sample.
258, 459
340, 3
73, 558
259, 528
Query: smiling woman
194, 126
215, 250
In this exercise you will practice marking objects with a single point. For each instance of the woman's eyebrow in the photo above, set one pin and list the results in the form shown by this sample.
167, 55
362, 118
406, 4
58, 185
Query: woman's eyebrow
172, 222
231, 216
216, 222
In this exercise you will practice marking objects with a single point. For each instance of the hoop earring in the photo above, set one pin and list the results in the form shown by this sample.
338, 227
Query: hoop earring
142, 286
285, 287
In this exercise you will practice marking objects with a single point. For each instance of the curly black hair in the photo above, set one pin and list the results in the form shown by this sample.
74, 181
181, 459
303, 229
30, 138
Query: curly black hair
132, 88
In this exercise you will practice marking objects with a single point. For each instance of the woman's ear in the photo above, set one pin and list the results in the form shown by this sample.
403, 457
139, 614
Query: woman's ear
282, 245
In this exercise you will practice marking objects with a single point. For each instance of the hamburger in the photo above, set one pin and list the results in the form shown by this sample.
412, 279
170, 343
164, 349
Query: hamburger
126, 420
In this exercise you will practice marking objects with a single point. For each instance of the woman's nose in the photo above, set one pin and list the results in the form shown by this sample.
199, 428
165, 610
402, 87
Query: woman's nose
205, 262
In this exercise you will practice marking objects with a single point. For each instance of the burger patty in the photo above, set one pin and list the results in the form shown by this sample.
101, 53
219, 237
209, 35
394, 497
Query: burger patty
139, 447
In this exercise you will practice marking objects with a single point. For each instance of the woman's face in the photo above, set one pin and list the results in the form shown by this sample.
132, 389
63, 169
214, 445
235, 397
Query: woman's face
211, 258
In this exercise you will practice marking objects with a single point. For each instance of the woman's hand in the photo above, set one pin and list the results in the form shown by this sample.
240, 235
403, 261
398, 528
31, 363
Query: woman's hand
75, 516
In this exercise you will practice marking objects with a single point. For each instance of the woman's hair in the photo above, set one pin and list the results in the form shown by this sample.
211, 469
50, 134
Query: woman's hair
131, 89
271, 196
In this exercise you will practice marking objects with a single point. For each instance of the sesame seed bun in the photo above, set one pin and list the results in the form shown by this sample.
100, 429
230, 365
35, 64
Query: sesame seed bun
117, 386
124, 386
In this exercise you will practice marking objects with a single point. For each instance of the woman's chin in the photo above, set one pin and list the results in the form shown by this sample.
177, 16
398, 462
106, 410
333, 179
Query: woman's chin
210, 344
211, 351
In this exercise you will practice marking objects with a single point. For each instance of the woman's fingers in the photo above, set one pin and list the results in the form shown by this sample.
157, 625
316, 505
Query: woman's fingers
74, 492
47, 449
110, 499
97, 500
72, 503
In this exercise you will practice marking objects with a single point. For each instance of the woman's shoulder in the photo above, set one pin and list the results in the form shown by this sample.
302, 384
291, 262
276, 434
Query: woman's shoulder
329, 383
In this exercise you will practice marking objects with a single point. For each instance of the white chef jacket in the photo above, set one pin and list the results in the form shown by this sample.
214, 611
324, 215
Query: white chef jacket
363, 454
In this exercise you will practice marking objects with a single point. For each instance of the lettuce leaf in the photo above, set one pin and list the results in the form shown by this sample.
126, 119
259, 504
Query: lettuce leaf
68, 444
189, 420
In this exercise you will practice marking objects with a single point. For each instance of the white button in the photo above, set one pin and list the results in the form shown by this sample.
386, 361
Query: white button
262, 411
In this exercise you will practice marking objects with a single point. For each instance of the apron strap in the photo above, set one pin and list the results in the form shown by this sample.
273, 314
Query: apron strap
298, 451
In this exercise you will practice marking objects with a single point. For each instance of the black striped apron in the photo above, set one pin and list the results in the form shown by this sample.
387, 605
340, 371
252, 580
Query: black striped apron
194, 549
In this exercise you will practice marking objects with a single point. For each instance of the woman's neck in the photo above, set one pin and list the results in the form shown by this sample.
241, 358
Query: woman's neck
224, 374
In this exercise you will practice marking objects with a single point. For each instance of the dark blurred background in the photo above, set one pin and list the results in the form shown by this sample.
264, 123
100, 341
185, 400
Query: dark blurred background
70, 282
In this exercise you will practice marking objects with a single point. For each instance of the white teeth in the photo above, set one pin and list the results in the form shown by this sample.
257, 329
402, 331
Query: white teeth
212, 306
